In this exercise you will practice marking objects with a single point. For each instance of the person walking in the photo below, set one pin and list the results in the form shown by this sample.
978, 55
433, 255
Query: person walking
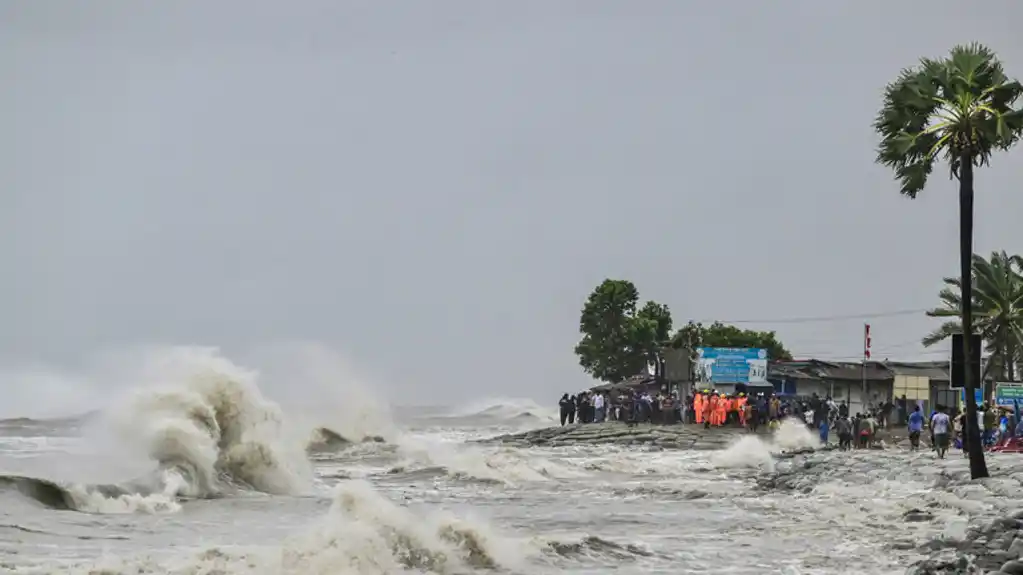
844, 428
916, 426
940, 425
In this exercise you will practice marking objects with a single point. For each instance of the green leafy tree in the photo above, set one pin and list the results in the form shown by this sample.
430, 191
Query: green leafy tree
653, 331
717, 334
607, 350
997, 311
959, 110
618, 341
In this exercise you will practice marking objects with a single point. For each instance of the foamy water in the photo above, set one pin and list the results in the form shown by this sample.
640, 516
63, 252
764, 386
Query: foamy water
196, 471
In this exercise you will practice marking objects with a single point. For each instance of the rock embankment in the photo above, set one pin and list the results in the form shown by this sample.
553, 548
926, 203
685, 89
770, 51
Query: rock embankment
617, 433
991, 539
994, 548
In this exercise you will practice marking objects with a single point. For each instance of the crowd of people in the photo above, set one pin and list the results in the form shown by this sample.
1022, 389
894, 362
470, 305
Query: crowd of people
999, 427
711, 408
705, 407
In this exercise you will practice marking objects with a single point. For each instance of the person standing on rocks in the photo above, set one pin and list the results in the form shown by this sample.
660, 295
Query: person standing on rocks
844, 428
709, 408
598, 408
566, 406
940, 424
990, 423
916, 426
753, 415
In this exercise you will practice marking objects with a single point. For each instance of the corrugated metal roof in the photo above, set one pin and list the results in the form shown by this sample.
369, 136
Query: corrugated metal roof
854, 371
937, 370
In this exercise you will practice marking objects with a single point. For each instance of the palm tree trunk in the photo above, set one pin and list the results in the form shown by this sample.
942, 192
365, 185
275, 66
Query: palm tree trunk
978, 467
1010, 358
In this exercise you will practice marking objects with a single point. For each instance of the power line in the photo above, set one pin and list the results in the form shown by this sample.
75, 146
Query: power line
885, 349
821, 318
858, 357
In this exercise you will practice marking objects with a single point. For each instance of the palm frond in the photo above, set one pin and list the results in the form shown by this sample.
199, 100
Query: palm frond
947, 330
960, 107
997, 307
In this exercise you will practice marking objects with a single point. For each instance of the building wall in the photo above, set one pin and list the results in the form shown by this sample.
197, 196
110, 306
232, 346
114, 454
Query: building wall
914, 387
849, 391
942, 394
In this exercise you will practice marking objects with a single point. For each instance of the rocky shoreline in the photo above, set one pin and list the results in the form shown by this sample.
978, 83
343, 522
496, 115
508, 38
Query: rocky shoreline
617, 433
994, 546
679, 436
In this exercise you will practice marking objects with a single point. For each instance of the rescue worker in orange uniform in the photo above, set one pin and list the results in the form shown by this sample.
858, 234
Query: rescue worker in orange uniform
721, 411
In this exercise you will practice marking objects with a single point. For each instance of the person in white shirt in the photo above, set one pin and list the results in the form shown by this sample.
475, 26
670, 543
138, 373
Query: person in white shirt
940, 425
598, 408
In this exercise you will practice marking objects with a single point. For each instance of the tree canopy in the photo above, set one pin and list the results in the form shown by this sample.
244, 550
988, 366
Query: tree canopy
997, 310
717, 334
619, 340
960, 109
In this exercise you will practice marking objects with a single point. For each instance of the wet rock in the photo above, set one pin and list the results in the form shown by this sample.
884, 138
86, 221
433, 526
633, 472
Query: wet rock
999, 544
1003, 524
916, 516
646, 435
901, 545
940, 567
939, 544
1016, 548
1013, 567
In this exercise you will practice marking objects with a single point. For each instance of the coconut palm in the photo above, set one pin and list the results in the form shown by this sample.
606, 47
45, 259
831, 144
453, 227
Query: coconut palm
959, 110
997, 310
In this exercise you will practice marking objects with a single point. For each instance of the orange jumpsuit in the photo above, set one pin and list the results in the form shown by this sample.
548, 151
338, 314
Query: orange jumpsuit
698, 401
742, 410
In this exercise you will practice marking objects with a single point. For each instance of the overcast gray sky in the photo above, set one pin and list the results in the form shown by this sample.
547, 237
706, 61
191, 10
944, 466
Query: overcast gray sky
433, 188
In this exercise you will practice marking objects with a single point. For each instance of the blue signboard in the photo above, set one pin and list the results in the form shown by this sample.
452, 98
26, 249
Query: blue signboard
978, 394
731, 365
1008, 395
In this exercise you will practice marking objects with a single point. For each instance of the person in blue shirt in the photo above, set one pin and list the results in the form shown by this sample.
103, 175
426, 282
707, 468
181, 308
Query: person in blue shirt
916, 425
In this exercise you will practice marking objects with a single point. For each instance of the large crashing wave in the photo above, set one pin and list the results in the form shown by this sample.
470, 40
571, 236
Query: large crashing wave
206, 429
220, 431
365, 532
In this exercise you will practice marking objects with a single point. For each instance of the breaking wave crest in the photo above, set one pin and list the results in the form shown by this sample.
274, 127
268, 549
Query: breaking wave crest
754, 452
509, 410
99, 498
210, 422
365, 533
362, 533
205, 430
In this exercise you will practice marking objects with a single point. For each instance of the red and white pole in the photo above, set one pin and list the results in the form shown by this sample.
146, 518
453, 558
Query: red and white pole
866, 358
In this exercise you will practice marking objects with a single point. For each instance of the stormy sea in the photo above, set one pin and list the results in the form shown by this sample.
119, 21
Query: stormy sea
198, 472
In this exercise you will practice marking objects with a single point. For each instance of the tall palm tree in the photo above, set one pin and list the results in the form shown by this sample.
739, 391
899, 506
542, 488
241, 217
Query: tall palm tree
960, 110
997, 310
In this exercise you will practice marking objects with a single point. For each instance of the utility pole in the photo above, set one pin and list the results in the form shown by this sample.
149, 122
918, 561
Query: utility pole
866, 358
